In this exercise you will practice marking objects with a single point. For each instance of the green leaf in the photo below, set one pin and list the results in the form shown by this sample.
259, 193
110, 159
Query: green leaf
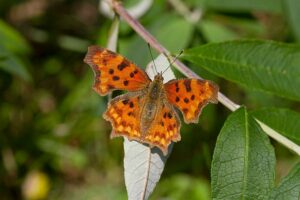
281, 120
273, 6
263, 65
292, 13
243, 164
13, 65
216, 32
63, 151
12, 40
289, 188
166, 31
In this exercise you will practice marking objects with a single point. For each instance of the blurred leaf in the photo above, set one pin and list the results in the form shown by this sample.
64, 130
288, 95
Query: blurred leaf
216, 32
243, 165
73, 43
13, 65
292, 8
242, 6
264, 65
74, 101
12, 40
64, 152
281, 120
92, 191
171, 31
182, 187
289, 188
166, 31
242, 27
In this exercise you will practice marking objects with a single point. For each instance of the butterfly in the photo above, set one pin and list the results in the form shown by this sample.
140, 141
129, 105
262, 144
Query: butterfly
147, 112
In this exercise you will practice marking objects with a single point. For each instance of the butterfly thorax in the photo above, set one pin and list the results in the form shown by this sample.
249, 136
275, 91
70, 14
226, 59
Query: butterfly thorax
152, 103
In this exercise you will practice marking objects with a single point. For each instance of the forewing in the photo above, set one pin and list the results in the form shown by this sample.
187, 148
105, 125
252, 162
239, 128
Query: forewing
164, 129
190, 96
114, 72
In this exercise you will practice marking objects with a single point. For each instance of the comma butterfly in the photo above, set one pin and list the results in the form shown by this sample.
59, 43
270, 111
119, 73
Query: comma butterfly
146, 113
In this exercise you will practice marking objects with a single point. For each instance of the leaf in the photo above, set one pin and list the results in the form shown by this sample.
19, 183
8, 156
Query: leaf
273, 6
281, 120
64, 152
263, 65
289, 188
166, 31
12, 40
216, 32
292, 13
143, 165
182, 186
243, 164
13, 65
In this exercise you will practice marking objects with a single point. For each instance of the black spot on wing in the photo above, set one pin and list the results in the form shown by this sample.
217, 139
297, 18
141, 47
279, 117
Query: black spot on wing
125, 82
131, 105
186, 100
110, 86
111, 71
187, 85
125, 101
165, 115
115, 78
123, 64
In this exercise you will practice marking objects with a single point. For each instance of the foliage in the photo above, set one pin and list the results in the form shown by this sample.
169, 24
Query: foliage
51, 124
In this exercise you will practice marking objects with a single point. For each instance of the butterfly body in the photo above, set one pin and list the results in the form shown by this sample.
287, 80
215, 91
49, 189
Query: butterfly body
151, 105
146, 113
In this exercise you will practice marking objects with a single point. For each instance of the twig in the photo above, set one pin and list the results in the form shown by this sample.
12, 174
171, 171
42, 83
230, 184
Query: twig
135, 25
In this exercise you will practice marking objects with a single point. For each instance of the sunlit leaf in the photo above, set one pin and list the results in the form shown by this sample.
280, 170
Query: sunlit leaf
284, 121
242, 6
289, 187
263, 65
243, 165
292, 8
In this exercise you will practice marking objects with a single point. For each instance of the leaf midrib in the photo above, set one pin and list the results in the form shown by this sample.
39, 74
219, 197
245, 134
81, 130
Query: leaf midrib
147, 175
246, 157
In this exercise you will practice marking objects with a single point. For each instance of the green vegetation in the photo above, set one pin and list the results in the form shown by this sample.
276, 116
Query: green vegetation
54, 143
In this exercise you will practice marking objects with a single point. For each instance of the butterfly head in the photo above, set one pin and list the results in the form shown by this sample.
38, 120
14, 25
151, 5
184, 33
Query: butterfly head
156, 86
158, 77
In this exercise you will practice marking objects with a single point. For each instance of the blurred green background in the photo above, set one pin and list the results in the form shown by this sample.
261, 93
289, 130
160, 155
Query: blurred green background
54, 143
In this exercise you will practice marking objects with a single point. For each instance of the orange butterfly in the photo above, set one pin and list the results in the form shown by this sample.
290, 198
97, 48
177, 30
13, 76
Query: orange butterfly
146, 113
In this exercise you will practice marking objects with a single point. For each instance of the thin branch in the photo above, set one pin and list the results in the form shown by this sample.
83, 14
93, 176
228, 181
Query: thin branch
135, 25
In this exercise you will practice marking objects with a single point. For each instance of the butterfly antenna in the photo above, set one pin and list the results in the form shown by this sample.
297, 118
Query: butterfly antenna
155, 72
171, 62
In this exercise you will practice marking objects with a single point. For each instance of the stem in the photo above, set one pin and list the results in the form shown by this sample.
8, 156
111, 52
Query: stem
135, 25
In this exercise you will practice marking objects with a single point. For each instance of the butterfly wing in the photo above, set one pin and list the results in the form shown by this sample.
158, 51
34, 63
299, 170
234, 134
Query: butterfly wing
190, 96
114, 72
123, 113
165, 128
